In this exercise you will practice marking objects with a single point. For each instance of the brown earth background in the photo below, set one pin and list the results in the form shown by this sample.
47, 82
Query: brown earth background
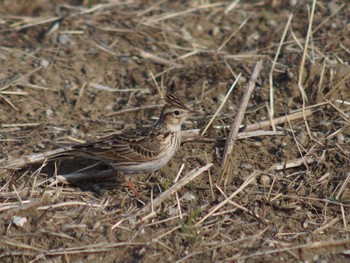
72, 71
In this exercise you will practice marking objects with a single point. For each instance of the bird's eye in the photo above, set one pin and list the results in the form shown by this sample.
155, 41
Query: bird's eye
177, 113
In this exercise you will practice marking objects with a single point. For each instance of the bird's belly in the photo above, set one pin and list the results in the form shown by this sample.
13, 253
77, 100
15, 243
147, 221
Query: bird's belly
150, 166
146, 167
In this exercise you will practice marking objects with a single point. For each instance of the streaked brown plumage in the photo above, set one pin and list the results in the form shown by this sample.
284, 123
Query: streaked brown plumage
139, 150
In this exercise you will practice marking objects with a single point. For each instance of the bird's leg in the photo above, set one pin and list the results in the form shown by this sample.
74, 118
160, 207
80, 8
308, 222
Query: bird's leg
132, 187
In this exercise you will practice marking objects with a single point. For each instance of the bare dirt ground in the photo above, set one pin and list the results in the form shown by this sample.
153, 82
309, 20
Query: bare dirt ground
72, 71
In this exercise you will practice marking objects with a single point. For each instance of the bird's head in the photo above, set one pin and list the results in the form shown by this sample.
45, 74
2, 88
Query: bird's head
174, 112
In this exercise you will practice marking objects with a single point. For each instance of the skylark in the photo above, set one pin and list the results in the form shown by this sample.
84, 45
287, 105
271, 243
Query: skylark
133, 151
139, 150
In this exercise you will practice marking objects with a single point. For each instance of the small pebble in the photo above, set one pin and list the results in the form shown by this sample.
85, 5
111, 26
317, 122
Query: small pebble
63, 39
44, 63
72, 131
216, 31
302, 138
96, 225
41, 146
247, 166
19, 221
340, 138
49, 112
305, 224
188, 197
265, 180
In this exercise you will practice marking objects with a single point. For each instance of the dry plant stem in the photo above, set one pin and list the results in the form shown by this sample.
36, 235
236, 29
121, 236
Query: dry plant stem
320, 90
20, 78
240, 113
301, 70
158, 60
177, 186
250, 179
294, 163
10, 125
302, 64
161, 92
277, 121
233, 34
231, 6
342, 188
242, 207
327, 225
328, 18
338, 85
9, 102
272, 107
221, 105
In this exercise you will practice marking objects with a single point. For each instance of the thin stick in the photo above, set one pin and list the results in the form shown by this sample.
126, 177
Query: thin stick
80, 95
221, 105
10, 125
325, 226
277, 121
345, 183
250, 179
18, 93
294, 163
231, 6
343, 216
241, 111
242, 207
301, 71
233, 34
338, 85
324, 21
165, 195
158, 88
9, 102
158, 60
272, 107
20, 78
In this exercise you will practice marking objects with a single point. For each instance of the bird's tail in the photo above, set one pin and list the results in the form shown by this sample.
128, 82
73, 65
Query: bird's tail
19, 163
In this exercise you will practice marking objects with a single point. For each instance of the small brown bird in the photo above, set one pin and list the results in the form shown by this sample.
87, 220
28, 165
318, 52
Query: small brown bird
133, 151
139, 150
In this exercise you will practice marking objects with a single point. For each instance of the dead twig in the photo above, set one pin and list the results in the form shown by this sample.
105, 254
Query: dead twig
221, 105
294, 163
239, 117
158, 60
249, 180
277, 121
178, 185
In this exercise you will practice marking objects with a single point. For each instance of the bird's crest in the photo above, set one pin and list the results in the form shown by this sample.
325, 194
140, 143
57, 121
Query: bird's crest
173, 101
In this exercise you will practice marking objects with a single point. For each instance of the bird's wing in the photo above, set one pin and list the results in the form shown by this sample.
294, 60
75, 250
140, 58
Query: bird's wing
139, 145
